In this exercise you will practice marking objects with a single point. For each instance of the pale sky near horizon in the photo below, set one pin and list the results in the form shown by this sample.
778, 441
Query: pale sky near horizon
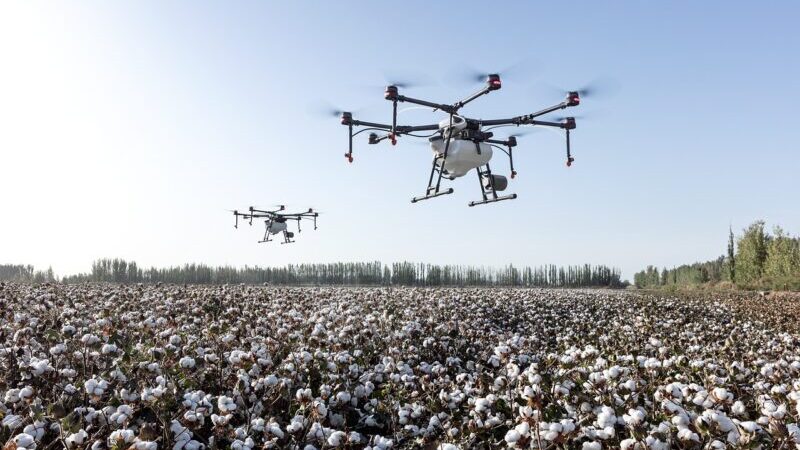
128, 128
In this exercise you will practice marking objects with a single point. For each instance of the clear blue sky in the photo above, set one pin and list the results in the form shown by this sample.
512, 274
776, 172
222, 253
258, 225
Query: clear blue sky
127, 129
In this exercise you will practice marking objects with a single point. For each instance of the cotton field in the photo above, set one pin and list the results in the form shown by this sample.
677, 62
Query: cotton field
157, 367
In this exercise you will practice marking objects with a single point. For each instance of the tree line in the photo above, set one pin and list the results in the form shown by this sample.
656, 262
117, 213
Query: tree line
25, 274
355, 273
756, 259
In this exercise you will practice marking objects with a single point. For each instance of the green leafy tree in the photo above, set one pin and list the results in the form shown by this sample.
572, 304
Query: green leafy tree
751, 254
783, 256
731, 256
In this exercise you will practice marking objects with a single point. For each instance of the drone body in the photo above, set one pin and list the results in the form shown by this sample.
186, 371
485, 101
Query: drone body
276, 221
461, 144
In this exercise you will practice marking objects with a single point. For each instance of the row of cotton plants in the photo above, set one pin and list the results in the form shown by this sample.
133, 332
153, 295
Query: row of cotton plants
159, 367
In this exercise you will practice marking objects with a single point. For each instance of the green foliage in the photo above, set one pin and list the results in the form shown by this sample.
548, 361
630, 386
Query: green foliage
374, 273
752, 254
758, 260
731, 263
25, 274
783, 256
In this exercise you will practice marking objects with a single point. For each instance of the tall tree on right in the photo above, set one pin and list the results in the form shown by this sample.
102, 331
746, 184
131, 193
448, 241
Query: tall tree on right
783, 256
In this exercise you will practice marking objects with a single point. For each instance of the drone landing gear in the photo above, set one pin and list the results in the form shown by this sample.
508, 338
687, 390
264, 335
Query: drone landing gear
433, 188
434, 195
493, 184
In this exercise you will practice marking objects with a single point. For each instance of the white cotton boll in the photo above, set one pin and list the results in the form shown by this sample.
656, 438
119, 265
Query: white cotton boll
96, 387
26, 393
722, 394
794, 432
303, 394
240, 433
193, 417
11, 396
40, 366
122, 414
686, 434
220, 421
36, 429
606, 417
592, 445
750, 427
108, 348
655, 444
275, 430
118, 437
258, 424
226, 404
192, 445
77, 439
627, 444
145, 445
187, 362
634, 417
25, 440
680, 421
512, 436
337, 438
738, 408
320, 408
448, 447
343, 397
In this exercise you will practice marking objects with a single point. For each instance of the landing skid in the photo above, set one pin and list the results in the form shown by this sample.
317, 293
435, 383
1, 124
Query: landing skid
488, 192
494, 199
434, 195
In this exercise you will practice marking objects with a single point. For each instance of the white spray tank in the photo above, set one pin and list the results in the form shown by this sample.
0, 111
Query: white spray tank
277, 227
462, 155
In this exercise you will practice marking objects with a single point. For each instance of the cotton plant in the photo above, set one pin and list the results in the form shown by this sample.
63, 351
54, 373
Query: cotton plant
256, 367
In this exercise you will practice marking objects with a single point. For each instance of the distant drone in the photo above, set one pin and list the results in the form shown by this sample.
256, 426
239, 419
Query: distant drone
276, 221
461, 144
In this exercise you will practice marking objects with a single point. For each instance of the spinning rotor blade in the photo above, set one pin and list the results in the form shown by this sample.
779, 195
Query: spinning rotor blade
563, 118
331, 111
525, 132
405, 80
520, 70
595, 88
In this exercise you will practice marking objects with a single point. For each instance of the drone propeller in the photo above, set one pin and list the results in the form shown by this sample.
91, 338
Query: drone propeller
521, 69
405, 80
563, 118
328, 110
595, 88
525, 132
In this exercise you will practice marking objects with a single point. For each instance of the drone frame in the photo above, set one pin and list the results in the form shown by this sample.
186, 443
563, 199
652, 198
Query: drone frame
473, 132
273, 216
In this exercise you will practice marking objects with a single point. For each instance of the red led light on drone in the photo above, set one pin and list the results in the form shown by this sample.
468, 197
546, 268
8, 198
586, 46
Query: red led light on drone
573, 99
390, 93
494, 82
